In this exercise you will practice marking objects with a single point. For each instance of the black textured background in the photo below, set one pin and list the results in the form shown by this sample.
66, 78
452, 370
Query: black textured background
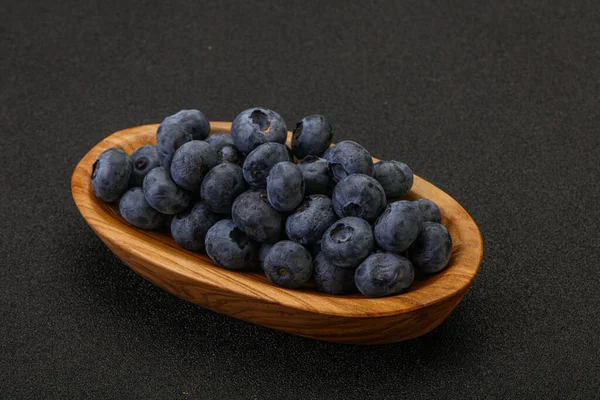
494, 102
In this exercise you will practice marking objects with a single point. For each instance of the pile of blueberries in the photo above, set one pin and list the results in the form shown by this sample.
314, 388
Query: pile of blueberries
312, 211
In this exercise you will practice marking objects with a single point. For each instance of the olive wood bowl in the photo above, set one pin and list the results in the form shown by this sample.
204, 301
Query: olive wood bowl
249, 296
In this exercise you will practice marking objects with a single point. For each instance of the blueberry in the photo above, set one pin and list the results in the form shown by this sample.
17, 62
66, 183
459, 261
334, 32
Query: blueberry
288, 264
332, 279
254, 215
189, 228
395, 177
259, 162
134, 208
192, 121
429, 210
229, 247
358, 195
347, 242
384, 274
226, 150
285, 186
221, 186
143, 159
191, 163
431, 251
163, 194
398, 226
110, 174
257, 126
317, 179
308, 223
170, 137
348, 157
312, 136
262, 253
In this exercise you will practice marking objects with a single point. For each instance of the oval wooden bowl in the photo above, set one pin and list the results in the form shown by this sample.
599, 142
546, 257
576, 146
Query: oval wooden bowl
250, 297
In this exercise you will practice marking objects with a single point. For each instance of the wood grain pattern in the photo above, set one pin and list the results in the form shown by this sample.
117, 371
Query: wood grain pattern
250, 297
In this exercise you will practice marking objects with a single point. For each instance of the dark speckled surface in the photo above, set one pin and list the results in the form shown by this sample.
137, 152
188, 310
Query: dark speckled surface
494, 102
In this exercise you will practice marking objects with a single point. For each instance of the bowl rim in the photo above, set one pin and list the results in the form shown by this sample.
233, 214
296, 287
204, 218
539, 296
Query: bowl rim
106, 222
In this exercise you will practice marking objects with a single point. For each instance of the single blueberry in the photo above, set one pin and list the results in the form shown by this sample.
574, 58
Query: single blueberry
262, 253
169, 137
285, 186
312, 136
144, 159
163, 194
358, 195
191, 163
221, 186
398, 226
432, 250
384, 274
134, 208
430, 211
257, 126
317, 179
259, 162
348, 157
347, 242
332, 279
288, 264
254, 215
308, 223
229, 247
189, 228
395, 177
110, 174
192, 121
226, 150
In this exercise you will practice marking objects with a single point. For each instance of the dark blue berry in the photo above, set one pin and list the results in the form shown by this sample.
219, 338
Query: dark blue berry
432, 250
358, 195
398, 226
169, 137
221, 186
347, 242
317, 179
312, 136
288, 264
308, 223
348, 157
192, 121
189, 228
226, 150
144, 159
229, 247
163, 194
384, 274
254, 215
285, 186
257, 126
259, 162
110, 174
429, 210
395, 177
332, 279
134, 208
191, 163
